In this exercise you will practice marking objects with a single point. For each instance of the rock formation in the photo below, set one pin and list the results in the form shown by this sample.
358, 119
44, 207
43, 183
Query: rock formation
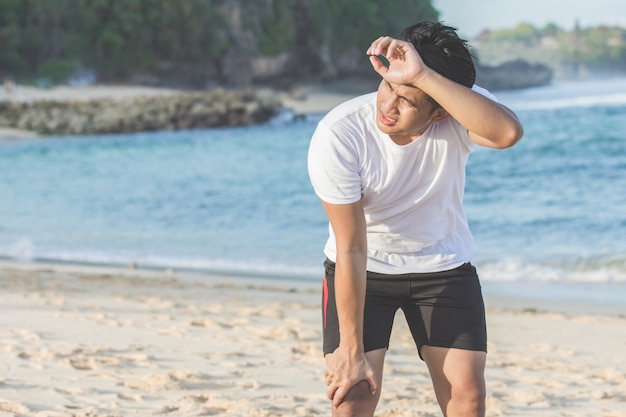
143, 113
512, 75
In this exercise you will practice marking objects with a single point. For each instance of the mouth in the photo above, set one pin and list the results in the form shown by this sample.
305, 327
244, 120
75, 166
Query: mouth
386, 120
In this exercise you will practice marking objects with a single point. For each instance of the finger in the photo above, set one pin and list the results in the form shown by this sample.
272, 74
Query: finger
373, 383
378, 65
339, 395
394, 49
377, 51
380, 45
332, 391
373, 45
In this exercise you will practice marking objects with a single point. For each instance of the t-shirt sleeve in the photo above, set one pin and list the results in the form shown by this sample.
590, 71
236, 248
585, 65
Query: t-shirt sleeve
483, 91
461, 132
453, 129
333, 167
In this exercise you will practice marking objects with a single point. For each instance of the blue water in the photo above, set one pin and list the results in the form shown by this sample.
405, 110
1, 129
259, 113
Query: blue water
553, 208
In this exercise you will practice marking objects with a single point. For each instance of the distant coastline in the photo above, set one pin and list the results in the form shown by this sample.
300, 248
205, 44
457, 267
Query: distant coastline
102, 109
513, 75
30, 111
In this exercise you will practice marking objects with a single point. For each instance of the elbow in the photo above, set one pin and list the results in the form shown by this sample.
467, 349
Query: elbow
511, 130
511, 136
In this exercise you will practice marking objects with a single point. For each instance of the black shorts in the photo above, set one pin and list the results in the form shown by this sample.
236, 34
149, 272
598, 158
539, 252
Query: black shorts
442, 309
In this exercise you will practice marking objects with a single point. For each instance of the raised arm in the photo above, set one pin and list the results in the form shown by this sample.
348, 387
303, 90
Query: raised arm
488, 123
347, 365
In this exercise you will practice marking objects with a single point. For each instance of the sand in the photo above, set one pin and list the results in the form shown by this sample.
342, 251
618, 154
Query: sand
82, 341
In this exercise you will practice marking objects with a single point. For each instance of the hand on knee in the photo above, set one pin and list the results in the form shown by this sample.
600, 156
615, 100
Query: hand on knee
359, 401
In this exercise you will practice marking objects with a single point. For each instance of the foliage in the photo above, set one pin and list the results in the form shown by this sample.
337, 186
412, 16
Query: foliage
112, 37
118, 39
56, 70
347, 27
277, 31
603, 46
600, 49
524, 32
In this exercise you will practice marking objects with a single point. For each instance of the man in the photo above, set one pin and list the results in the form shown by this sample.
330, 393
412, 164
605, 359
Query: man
389, 168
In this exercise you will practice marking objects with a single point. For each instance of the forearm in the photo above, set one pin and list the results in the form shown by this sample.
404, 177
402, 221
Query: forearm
348, 365
481, 116
348, 223
350, 283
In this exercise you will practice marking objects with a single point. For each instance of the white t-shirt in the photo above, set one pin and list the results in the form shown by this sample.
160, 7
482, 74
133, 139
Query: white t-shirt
412, 194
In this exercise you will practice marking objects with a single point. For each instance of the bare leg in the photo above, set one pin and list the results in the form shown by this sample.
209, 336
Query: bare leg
359, 401
458, 380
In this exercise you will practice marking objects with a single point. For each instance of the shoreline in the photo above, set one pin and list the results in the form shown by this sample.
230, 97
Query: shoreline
302, 100
105, 341
570, 298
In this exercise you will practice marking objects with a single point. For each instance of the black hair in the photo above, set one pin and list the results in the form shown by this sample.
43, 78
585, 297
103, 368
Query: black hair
443, 51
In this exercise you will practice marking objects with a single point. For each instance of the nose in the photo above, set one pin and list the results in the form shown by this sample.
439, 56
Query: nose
389, 104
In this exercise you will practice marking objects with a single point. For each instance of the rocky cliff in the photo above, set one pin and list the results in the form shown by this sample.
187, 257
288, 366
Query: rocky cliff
142, 113
513, 75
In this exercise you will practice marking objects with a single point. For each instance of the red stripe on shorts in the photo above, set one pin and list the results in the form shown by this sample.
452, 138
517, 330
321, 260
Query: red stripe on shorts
325, 298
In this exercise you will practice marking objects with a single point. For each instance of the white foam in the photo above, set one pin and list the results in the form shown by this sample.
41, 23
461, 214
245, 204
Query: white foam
22, 250
608, 100
600, 270
574, 272
608, 93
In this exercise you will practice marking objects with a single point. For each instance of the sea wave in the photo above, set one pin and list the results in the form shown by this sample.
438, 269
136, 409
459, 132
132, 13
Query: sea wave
595, 93
605, 269
601, 270
606, 100
25, 251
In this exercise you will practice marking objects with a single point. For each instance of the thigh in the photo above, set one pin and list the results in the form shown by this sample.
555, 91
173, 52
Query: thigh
381, 304
383, 298
458, 367
446, 309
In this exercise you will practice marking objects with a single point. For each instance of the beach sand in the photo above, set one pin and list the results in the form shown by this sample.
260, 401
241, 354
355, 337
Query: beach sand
81, 341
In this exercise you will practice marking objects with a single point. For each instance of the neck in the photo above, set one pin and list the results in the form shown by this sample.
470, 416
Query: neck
402, 140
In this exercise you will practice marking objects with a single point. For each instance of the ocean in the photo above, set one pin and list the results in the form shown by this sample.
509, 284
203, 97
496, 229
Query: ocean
238, 200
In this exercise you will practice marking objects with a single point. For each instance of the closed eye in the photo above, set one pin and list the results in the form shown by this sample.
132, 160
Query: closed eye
407, 101
403, 98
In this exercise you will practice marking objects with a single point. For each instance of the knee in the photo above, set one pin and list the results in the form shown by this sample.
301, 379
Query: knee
468, 401
358, 402
359, 393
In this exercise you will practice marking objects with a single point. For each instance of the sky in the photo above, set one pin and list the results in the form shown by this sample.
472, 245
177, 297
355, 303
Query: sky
472, 16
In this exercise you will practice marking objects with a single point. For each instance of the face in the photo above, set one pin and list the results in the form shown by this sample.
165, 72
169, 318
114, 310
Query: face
405, 112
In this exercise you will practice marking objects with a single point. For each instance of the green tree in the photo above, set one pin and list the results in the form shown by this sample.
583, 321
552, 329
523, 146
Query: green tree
120, 38
523, 33
355, 23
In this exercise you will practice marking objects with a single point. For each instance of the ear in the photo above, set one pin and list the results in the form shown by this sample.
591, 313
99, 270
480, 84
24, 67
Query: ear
439, 115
